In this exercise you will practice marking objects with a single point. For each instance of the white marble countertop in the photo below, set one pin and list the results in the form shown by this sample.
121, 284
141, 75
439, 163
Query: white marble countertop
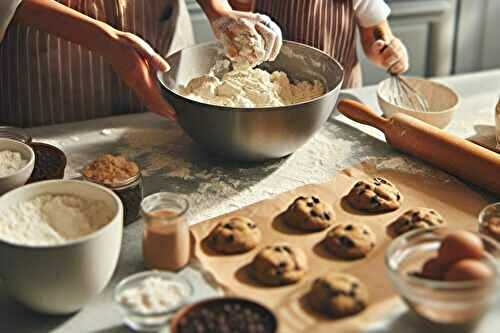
171, 162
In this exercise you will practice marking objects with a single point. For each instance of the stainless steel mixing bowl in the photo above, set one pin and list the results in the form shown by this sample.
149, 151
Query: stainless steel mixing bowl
253, 133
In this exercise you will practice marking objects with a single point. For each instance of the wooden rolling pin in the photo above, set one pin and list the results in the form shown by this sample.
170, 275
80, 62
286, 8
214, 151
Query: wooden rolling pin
451, 153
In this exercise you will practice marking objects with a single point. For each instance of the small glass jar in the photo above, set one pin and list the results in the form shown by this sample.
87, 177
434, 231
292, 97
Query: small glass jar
166, 243
130, 190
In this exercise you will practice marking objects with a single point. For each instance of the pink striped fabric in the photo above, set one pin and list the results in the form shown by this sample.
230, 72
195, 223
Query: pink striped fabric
328, 25
46, 80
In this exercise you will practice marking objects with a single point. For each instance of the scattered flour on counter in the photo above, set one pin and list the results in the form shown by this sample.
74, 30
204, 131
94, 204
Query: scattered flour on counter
11, 162
154, 295
409, 165
52, 219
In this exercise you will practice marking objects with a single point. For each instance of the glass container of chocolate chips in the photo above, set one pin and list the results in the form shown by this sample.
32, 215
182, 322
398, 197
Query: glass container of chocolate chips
122, 177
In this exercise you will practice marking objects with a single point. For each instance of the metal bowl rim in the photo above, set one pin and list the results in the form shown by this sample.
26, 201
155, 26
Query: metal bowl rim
258, 109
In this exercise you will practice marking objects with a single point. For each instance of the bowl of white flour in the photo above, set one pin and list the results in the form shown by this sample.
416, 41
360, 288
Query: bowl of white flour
17, 160
252, 114
59, 243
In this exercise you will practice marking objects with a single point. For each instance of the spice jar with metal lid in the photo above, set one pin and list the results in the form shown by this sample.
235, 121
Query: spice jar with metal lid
122, 177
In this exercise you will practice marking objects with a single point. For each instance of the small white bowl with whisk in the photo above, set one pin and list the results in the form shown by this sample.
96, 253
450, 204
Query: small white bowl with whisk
443, 101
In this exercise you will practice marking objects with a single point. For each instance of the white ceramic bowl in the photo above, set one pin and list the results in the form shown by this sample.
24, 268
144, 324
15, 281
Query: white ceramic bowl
20, 177
61, 279
443, 101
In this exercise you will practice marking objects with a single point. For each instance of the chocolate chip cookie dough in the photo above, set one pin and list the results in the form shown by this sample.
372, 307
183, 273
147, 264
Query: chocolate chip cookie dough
309, 213
417, 218
350, 241
236, 235
338, 295
375, 195
279, 264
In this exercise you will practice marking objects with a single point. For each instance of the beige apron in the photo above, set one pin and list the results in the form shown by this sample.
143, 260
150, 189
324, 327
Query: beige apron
46, 80
329, 25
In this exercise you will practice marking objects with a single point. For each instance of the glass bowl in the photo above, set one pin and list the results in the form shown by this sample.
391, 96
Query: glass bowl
489, 212
151, 319
441, 302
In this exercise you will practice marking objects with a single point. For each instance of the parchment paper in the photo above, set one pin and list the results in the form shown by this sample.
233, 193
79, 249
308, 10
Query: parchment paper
458, 204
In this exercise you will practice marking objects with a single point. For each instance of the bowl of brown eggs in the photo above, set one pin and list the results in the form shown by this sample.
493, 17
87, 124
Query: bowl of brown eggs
445, 276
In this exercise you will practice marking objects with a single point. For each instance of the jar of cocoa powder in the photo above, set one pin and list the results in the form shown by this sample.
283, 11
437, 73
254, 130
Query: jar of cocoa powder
122, 177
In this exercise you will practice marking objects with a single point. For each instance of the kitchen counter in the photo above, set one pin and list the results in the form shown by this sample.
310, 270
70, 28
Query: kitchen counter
172, 162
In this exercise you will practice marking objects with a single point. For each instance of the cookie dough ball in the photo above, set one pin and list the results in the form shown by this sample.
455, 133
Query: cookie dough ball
350, 241
417, 218
279, 264
338, 295
236, 235
309, 213
376, 195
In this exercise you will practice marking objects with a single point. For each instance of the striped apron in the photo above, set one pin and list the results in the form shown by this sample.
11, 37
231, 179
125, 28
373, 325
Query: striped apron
329, 25
46, 80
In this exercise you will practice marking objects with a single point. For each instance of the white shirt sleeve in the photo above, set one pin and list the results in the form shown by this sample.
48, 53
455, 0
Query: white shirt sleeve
7, 11
370, 12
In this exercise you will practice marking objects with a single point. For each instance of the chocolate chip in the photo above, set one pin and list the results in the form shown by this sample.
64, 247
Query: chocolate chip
358, 184
228, 226
432, 212
365, 232
377, 183
398, 196
355, 285
310, 204
380, 180
315, 199
375, 201
346, 241
349, 227
282, 264
287, 249
327, 216
300, 198
229, 238
251, 225
314, 213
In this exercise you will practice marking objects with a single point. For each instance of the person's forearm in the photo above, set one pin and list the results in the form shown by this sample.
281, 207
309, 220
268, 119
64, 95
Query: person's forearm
62, 21
214, 8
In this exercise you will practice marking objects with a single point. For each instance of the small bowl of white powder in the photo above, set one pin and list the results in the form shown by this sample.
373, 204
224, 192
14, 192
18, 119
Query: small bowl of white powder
59, 243
149, 299
17, 160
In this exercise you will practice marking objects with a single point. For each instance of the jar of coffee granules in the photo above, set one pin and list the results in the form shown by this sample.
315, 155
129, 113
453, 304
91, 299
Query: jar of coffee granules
122, 177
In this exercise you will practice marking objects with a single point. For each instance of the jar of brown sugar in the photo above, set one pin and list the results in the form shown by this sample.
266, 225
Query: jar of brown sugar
122, 177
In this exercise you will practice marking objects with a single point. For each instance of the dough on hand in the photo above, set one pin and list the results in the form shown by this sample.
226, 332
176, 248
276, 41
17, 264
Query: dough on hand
309, 213
338, 295
375, 195
236, 235
279, 264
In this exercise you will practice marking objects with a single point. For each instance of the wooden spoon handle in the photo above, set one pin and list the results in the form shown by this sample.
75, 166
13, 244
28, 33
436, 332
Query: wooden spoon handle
362, 114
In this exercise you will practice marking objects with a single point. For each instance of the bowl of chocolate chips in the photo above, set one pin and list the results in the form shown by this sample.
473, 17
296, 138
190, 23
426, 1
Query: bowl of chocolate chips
224, 315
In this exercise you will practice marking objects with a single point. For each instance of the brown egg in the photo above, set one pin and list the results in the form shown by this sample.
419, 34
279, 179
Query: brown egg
433, 269
460, 245
467, 270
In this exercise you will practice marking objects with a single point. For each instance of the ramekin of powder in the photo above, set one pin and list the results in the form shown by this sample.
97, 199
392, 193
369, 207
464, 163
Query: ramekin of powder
11, 162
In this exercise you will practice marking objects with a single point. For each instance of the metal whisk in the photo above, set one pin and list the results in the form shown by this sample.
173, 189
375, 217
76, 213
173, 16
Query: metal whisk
401, 93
